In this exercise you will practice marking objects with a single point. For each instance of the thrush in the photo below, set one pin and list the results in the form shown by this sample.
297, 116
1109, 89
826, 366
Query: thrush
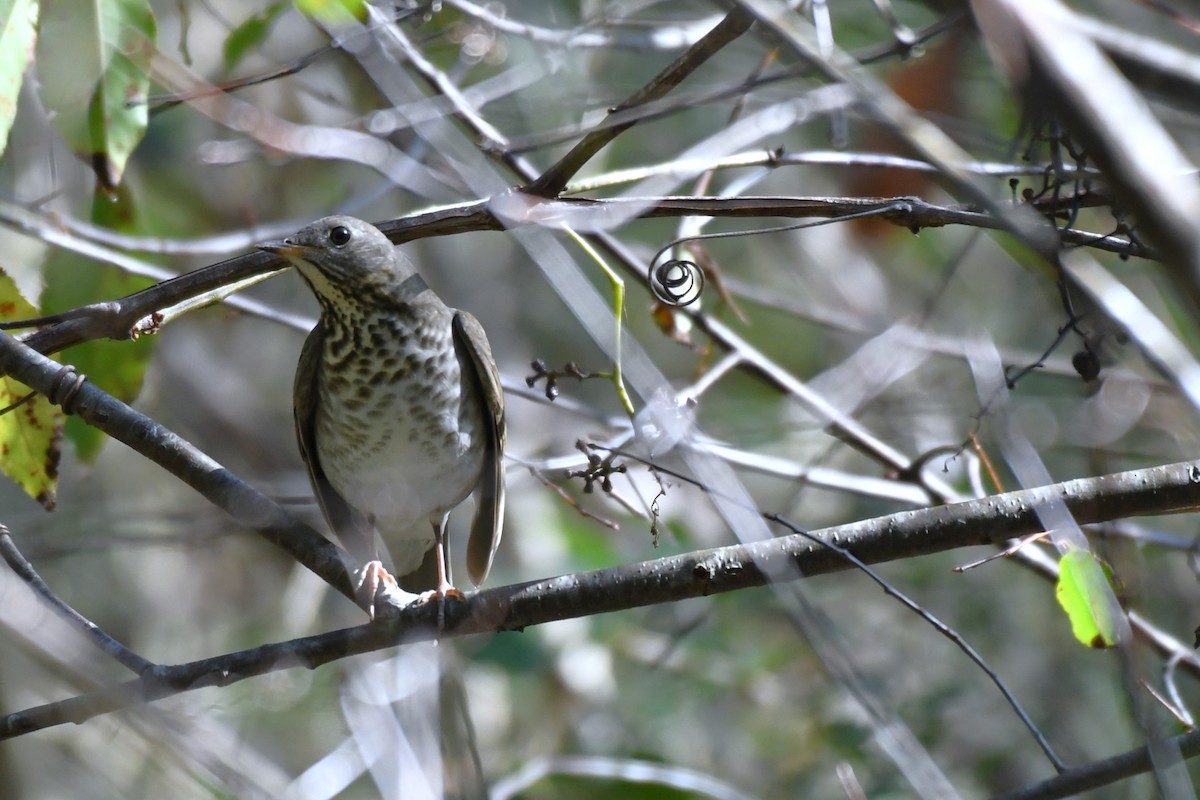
398, 405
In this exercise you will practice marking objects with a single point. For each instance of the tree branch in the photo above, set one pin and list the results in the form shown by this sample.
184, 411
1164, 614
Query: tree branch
109, 645
1104, 772
1155, 490
179, 457
114, 319
553, 180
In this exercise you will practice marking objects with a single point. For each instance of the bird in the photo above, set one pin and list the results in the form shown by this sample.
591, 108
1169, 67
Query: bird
398, 407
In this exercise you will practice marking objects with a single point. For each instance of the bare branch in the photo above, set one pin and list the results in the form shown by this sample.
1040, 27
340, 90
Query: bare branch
1164, 489
179, 457
1105, 772
554, 179
119, 652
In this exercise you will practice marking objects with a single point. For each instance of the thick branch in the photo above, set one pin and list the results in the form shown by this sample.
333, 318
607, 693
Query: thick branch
179, 457
1155, 490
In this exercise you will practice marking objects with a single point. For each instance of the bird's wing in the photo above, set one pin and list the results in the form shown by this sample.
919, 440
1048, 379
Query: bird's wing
350, 526
471, 342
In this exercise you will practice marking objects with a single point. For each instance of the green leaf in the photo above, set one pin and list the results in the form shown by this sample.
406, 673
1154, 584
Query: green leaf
334, 12
1085, 592
31, 433
18, 19
251, 33
116, 367
92, 62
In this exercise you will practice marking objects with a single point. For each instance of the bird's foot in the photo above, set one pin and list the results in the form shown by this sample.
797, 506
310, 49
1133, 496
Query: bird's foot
375, 582
440, 594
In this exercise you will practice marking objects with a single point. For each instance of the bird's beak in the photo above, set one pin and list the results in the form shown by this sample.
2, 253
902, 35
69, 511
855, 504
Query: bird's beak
281, 247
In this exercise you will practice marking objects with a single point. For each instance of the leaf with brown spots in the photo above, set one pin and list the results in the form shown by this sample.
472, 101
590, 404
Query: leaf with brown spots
31, 428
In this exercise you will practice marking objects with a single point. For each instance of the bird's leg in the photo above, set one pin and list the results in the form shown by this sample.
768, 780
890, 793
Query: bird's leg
444, 587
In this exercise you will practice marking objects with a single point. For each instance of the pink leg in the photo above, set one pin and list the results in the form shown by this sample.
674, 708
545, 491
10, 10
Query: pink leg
444, 585
444, 588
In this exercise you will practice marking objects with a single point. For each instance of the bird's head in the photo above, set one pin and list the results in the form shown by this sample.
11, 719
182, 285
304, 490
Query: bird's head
339, 254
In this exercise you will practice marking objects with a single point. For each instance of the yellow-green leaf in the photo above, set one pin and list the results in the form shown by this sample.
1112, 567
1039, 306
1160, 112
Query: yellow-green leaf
334, 12
18, 21
31, 432
1085, 592
92, 70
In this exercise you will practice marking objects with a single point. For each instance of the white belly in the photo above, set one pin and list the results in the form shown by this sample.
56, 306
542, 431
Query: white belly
420, 458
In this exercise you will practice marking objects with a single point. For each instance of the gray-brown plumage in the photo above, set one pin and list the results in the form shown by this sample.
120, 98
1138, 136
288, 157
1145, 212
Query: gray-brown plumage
399, 410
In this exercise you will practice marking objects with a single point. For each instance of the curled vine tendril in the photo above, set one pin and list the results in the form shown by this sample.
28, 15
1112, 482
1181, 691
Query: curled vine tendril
678, 282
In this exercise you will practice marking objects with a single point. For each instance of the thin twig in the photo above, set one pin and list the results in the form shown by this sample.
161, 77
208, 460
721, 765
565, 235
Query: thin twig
566, 498
554, 179
114, 319
1105, 772
25, 571
945, 630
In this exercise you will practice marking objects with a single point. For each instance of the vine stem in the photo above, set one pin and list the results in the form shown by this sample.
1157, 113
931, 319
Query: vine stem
618, 289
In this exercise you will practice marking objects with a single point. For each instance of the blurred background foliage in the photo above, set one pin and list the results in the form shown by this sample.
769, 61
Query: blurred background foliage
870, 315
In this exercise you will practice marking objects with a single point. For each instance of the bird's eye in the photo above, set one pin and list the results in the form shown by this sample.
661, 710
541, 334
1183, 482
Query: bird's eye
339, 235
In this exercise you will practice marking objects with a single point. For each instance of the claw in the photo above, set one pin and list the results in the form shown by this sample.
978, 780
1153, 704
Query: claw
440, 594
374, 581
